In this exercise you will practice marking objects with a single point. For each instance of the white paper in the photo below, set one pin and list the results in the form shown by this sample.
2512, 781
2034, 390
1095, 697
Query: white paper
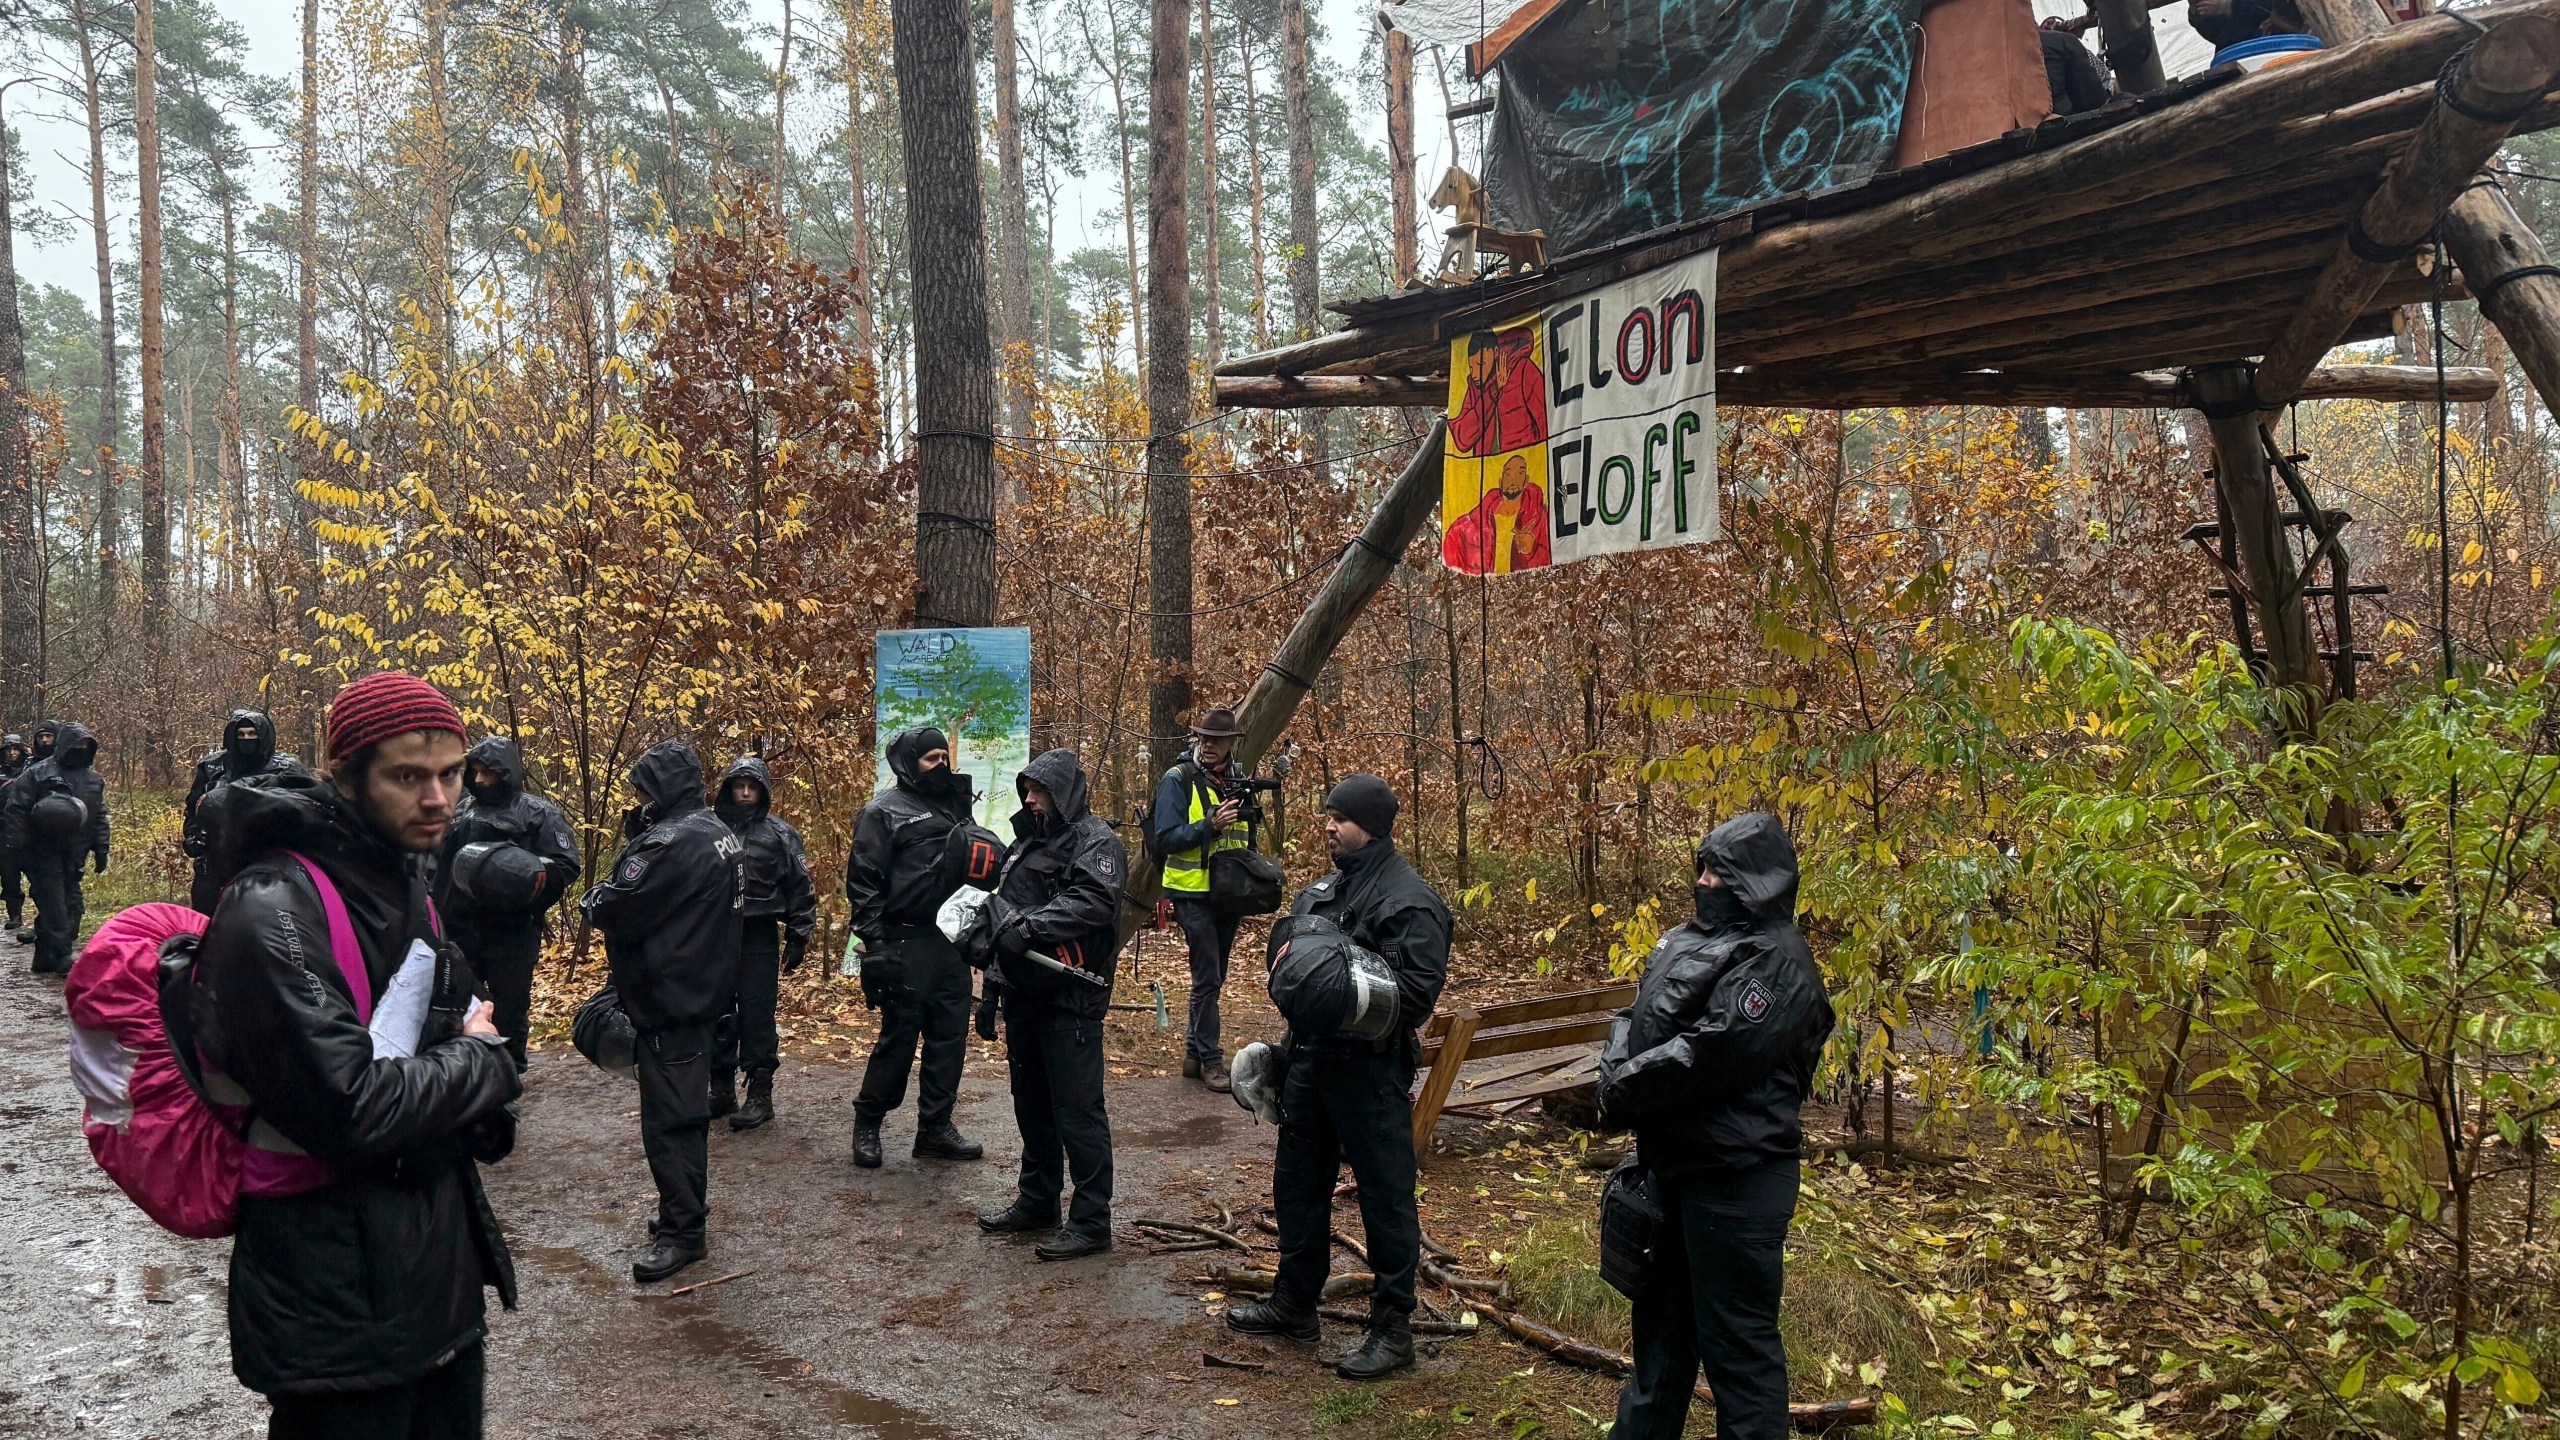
401, 1014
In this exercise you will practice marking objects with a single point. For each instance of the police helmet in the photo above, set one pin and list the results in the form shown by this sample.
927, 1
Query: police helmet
59, 816
604, 1034
1326, 985
497, 875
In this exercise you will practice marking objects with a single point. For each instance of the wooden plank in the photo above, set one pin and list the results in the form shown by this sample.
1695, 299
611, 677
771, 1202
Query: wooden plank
2499, 77
1482, 54
1444, 1073
1488, 1044
1556, 1084
1607, 998
1530, 1066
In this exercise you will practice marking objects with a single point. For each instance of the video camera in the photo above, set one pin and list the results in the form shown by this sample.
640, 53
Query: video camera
1248, 804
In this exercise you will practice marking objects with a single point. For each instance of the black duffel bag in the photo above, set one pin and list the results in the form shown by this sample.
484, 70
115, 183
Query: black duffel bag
1246, 881
1630, 1228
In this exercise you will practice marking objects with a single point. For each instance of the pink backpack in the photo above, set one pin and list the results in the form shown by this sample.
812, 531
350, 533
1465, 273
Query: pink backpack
177, 1137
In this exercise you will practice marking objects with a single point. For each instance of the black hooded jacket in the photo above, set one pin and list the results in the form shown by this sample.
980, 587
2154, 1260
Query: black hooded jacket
508, 815
233, 761
69, 770
893, 876
670, 908
1712, 1063
1062, 880
778, 885
13, 756
1376, 898
375, 1278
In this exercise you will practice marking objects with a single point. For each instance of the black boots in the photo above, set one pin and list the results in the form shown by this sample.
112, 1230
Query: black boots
1018, 1219
666, 1257
759, 1107
1073, 1244
866, 1143
1270, 1317
724, 1093
944, 1142
1388, 1349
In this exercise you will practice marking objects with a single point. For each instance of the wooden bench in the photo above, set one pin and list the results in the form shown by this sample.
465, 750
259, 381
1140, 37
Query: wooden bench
1517, 1027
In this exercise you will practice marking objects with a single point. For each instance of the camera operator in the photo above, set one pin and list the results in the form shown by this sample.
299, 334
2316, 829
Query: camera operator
1202, 808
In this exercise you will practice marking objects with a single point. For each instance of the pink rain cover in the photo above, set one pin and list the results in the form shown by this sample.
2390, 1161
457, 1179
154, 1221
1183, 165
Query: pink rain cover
171, 1153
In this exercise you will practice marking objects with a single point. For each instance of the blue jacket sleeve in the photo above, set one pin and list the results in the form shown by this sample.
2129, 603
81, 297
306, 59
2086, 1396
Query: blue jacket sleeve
1172, 827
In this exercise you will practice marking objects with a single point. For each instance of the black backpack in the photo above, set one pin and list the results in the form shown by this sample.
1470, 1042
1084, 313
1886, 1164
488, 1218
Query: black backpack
971, 855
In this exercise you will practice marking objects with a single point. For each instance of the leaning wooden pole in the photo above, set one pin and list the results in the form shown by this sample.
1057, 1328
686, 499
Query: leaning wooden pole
2259, 548
2484, 93
1356, 579
2502, 260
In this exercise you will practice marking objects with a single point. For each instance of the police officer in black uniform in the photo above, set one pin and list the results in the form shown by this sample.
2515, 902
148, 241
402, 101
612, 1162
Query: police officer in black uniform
669, 912
502, 932
1352, 1099
781, 910
13, 758
1711, 1066
248, 748
1060, 900
897, 877
40, 746
56, 818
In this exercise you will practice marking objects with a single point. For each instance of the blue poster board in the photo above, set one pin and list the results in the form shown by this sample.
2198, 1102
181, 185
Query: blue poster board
976, 686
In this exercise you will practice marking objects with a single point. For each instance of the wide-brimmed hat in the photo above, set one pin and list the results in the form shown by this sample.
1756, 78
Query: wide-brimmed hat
1218, 724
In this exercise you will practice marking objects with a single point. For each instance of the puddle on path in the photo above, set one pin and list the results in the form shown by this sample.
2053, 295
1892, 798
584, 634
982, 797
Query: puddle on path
715, 1339
1188, 1133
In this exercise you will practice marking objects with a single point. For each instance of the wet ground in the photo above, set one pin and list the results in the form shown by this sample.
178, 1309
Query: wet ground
870, 1304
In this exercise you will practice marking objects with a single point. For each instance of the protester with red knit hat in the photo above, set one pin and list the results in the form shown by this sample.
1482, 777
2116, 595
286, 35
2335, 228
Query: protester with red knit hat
365, 1238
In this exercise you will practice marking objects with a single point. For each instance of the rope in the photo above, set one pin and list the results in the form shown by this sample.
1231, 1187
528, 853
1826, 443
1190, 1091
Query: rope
2489, 289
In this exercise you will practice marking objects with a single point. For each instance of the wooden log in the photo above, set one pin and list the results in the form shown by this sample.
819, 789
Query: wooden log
2265, 557
2487, 90
1302, 392
2133, 52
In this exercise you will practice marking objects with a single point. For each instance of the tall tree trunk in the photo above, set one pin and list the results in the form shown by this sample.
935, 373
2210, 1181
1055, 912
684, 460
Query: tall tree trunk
1305, 289
155, 406
1013, 227
1254, 195
306, 345
230, 464
1400, 159
858, 200
110, 378
441, 185
1169, 377
1209, 185
21, 620
955, 379
1128, 186
781, 103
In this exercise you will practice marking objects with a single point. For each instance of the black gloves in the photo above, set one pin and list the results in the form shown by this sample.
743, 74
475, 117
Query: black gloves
795, 948
1012, 938
987, 1015
99, 859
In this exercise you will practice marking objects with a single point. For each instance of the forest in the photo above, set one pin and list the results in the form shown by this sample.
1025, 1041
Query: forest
585, 360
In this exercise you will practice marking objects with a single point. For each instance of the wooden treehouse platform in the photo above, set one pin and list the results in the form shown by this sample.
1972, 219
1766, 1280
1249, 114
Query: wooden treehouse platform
2095, 260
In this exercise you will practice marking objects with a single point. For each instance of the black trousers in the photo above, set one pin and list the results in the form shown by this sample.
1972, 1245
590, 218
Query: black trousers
201, 891
1720, 1266
1056, 1064
13, 896
1342, 1104
747, 1040
1211, 940
54, 875
675, 1128
503, 956
921, 986
443, 1404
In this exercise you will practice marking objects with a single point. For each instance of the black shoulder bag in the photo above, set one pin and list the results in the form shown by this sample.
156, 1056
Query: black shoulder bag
1246, 881
1630, 1228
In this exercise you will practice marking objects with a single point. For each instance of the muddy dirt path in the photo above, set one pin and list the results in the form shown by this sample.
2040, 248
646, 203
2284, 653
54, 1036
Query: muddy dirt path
873, 1307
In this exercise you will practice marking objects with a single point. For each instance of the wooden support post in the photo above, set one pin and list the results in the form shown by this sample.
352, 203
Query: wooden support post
2486, 90
2133, 53
2258, 547
1355, 580
1444, 1074
2481, 229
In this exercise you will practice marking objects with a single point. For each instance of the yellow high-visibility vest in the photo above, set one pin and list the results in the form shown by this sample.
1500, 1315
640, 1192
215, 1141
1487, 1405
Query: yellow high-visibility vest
1186, 872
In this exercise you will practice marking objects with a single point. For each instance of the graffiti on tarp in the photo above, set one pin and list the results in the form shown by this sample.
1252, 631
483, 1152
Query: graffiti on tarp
1622, 116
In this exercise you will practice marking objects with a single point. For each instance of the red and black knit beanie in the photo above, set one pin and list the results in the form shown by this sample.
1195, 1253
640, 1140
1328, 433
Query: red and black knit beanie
384, 706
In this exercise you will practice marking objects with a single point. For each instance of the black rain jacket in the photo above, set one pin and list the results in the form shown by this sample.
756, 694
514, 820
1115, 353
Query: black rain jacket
1062, 879
373, 1279
1712, 1063
69, 770
234, 761
778, 885
13, 756
670, 908
893, 877
509, 816
1375, 897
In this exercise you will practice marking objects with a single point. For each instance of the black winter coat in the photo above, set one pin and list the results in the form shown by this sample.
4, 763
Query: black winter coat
234, 761
778, 884
69, 770
506, 814
1062, 879
1375, 897
373, 1279
893, 876
1712, 1063
670, 908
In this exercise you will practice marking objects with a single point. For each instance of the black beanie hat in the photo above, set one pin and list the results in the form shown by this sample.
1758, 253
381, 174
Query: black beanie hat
1365, 801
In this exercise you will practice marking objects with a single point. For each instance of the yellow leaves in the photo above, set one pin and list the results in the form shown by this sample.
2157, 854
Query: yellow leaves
2472, 552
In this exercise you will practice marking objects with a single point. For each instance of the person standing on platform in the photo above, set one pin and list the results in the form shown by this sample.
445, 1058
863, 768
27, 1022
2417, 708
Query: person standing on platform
669, 912
900, 872
495, 898
1346, 1098
781, 909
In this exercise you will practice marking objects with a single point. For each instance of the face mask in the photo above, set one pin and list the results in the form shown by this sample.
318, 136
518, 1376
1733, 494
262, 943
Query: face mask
486, 794
634, 820
944, 783
1718, 906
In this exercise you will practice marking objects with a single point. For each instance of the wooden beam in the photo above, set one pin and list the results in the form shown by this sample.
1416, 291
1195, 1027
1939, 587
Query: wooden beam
2263, 553
2149, 389
2133, 53
1306, 392
2482, 230
2487, 89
